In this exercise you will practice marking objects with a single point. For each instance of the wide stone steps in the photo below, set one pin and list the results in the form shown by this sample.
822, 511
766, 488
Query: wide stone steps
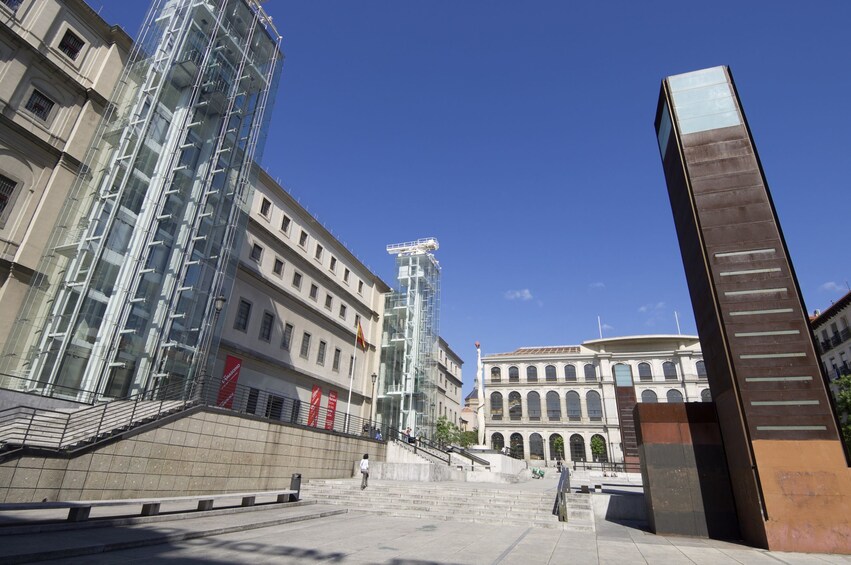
444, 501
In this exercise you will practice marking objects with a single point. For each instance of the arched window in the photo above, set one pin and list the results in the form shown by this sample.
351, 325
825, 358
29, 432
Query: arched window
496, 406
675, 396
598, 449
577, 448
594, 406
623, 374
497, 441
649, 396
570, 372
517, 446
531, 374
496, 375
553, 406
513, 375
550, 373
574, 406
533, 405
536, 447
701, 369
590, 372
705, 395
669, 370
644, 372
556, 447
515, 406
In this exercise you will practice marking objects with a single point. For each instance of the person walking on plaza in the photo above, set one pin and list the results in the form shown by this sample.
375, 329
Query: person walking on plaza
364, 471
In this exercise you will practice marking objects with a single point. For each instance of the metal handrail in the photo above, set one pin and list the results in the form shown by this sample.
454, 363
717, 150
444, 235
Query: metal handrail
562, 490
474, 458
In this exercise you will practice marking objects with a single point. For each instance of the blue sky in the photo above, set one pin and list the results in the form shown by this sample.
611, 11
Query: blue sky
521, 136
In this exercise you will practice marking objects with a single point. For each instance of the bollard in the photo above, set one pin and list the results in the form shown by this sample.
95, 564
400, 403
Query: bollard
295, 484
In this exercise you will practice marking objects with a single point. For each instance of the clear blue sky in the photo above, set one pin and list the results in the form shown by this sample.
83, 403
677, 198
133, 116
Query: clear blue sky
521, 136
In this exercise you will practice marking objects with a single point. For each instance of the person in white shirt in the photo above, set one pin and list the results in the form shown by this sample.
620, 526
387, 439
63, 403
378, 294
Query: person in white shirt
364, 471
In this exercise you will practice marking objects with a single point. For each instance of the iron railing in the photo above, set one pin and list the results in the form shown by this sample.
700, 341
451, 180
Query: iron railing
605, 466
562, 490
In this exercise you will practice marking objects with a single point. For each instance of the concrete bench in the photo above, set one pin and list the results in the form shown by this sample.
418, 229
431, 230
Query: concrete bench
78, 511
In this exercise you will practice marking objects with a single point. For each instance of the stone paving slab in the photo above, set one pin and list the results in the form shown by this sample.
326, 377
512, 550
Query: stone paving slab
359, 538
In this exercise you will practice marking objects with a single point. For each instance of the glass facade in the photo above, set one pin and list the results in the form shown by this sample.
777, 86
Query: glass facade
124, 298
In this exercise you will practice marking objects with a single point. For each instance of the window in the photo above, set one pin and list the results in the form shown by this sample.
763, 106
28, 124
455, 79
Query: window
40, 105
302, 239
590, 372
644, 372
531, 374
705, 395
343, 311
569, 373
553, 406
251, 403
320, 354
329, 301
7, 191
516, 446
536, 447
266, 326
332, 266
556, 446
297, 280
357, 320
496, 375
285, 224
243, 312
319, 251
287, 337
360, 287
515, 406
346, 274
256, 252
669, 370
513, 375
701, 369
594, 405
623, 374
604, 456
279, 267
71, 45
577, 448
649, 397
265, 206
314, 291
574, 406
335, 364
497, 441
533, 405
12, 4
675, 396
550, 373
305, 345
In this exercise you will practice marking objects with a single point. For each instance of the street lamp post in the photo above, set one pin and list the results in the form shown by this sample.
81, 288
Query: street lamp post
372, 406
218, 306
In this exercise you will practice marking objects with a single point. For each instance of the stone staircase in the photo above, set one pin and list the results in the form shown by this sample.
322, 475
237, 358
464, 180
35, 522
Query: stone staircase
487, 504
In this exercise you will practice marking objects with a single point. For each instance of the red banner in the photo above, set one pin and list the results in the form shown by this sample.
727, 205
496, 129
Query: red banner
332, 410
229, 379
315, 401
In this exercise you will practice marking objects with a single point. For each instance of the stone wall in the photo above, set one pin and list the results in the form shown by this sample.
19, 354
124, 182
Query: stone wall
205, 451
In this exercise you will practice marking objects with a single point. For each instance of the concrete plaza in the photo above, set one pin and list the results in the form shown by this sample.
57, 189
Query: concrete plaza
276, 534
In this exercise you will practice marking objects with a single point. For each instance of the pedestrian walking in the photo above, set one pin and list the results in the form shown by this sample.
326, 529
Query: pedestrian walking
364, 470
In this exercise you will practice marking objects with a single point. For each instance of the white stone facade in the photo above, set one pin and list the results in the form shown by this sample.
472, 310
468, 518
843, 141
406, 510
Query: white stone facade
575, 388
449, 383
833, 337
295, 279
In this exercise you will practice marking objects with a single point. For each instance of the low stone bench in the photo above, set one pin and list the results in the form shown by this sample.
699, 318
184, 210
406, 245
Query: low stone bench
78, 511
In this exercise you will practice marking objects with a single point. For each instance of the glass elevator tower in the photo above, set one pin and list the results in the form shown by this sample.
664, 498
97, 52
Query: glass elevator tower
124, 297
408, 374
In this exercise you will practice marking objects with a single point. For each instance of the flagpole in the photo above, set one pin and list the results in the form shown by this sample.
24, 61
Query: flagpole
352, 375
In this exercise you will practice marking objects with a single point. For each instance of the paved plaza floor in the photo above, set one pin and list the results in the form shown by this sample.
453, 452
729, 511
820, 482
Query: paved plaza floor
273, 534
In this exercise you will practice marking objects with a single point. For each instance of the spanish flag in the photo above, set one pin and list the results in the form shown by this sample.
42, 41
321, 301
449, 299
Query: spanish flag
361, 341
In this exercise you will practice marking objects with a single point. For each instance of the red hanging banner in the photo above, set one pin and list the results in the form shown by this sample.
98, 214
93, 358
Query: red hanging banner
315, 401
229, 379
332, 410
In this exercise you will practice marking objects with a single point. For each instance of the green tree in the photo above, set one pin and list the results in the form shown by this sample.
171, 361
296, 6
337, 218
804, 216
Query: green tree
598, 448
843, 405
558, 447
466, 439
446, 432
